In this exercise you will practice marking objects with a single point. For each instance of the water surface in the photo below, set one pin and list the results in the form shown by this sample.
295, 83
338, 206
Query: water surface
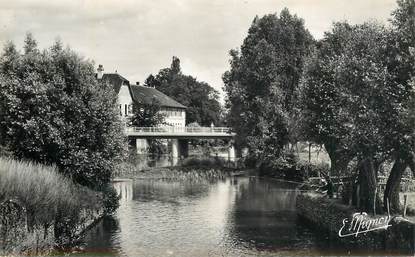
239, 216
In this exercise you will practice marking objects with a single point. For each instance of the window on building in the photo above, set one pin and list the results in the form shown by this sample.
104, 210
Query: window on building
125, 110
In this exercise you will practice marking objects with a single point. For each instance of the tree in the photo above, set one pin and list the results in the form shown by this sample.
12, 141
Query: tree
201, 99
10, 63
322, 120
147, 115
262, 82
55, 112
353, 97
402, 59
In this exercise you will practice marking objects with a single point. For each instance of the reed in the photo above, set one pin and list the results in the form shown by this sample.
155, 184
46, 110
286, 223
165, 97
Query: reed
34, 185
50, 201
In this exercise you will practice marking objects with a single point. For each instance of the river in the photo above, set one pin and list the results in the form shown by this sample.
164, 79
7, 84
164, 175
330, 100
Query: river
239, 216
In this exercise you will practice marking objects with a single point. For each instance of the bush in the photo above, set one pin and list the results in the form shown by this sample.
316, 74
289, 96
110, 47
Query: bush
111, 200
250, 161
289, 167
204, 162
5, 152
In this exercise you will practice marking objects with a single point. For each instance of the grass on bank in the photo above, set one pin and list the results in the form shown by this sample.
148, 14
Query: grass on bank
48, 198
34, 184
38, 187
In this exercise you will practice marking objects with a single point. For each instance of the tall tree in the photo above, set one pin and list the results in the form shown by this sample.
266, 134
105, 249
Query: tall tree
402, 58
200, 98
353, 98
10, 62
262, 82
54, 111
321, 119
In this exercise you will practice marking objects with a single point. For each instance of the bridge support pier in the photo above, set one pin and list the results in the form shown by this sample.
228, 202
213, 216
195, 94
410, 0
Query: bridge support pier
175, 151
179, 149
231, 153
141, 145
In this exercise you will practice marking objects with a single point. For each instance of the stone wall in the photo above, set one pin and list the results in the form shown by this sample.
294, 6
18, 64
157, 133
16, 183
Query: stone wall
327, 215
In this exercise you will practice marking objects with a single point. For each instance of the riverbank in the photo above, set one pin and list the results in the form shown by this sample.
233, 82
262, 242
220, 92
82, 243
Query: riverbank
328, 215
179, 173
41, 210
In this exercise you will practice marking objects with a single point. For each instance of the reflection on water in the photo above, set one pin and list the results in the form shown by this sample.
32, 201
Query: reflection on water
234, 217
145, 161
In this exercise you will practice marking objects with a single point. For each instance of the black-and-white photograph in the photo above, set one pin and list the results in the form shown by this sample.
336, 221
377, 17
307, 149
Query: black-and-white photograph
204, 128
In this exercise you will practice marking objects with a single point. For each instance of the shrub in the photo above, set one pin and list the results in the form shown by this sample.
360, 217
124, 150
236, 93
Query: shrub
250, 161
5, 152
111, 200
289, 167
203, 162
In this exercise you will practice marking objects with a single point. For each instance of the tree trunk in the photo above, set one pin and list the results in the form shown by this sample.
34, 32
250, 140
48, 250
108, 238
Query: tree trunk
309, 153
339, 159
411, 164
339, 166
368, 199
392, 186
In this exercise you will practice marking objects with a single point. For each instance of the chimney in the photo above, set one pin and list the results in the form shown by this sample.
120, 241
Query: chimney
100, 71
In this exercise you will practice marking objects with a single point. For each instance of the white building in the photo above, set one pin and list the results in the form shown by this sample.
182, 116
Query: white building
174, 112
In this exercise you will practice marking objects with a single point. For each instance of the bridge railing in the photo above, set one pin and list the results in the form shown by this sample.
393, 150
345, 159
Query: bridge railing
179, 129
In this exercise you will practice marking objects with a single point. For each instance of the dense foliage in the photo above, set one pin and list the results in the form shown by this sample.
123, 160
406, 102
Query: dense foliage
54, 111
352, 103
149, 115
146, 115
357, 98
262, 82
201, 99
352, 91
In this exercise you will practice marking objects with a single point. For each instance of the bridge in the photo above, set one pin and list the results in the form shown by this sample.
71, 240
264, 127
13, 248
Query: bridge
180, 132
179, 137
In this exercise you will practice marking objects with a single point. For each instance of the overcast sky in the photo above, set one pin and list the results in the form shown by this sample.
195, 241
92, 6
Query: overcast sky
140, 37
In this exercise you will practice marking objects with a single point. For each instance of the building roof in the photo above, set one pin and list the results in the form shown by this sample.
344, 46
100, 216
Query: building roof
147, 95
116, 80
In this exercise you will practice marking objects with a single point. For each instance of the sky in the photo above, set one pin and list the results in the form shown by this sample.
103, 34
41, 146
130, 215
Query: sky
137, 38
